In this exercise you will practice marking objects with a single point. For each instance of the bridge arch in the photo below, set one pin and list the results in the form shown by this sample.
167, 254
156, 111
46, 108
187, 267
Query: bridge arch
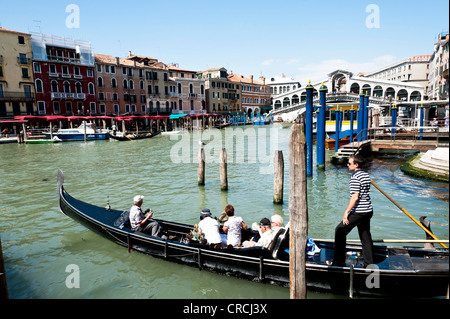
295, 99
389, 92
277, 104
367, 89
354, 88
415, 96
378, 91
402, 95
286, 102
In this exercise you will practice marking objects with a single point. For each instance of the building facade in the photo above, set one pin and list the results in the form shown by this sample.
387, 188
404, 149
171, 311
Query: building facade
17, 94
64, 76
187, 91
439, 65
412, 70
255, 95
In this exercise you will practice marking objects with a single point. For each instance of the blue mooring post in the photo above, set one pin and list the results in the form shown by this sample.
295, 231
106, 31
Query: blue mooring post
338, 119
366, 115
421, 120
351, 123
321, 128
309, 128
394, 119
360, 117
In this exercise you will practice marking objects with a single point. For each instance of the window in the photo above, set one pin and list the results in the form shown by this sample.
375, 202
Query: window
25, 73
56, 109
76, 71
36, 67
21, 39
52, 69
91, 88
66, 87
115, 97
116, 108
93, 108
23, 58
39, 86
90, 73
113, 83
131, 84
125, 84
41, 107
65, 70
99, 68
102, 108
68, 107
78, 87
27, 91
99, 82
54, 85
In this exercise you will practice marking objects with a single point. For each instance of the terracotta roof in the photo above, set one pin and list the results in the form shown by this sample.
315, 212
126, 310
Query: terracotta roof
213, 69
13, 31
102, 58
242, 79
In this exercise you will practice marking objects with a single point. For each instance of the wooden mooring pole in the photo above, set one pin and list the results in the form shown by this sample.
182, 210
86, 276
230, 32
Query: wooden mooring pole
298, 212
201, 166
223, 170
3, 286
278, 177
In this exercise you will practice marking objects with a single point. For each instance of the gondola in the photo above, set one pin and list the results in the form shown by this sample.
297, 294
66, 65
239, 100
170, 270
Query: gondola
132, 137
399, 271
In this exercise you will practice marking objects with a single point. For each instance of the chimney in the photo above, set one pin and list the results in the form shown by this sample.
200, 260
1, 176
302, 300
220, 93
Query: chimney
251, 78
117, 60
264, 81
129, 53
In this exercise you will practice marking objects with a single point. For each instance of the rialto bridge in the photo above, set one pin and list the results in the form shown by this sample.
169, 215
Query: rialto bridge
343, 90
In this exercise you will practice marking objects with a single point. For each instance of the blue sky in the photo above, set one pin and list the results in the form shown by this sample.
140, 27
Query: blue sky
302, 39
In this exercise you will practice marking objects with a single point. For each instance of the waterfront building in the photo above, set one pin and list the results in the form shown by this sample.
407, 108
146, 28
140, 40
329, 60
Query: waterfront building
412, 70
186, 90
255, 96
439, 65
16, 74
217, 86
283, 85
235, 94
121, 85
63, 71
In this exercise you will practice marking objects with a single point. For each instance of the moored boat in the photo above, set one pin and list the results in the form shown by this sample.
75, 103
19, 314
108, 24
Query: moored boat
131, 137
55, 139
399, 271
86, 131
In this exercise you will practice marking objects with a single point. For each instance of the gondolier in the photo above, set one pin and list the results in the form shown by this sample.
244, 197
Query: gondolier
358, 213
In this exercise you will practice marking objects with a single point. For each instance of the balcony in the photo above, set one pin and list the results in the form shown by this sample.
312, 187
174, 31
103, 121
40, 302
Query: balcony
16, 96
68, 96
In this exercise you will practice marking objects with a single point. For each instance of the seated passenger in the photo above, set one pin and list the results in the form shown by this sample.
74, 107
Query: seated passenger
209, 228
232, 227
267, 235
140, 222
277, 222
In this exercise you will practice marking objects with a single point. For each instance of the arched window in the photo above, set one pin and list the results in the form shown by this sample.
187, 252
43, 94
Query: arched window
100, 82
125, 84
91, 88
131, 85
78, 87
54, 86
113, 83
39, 86
66, 87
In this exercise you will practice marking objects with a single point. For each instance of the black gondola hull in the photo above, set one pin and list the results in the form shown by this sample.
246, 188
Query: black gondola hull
257, 264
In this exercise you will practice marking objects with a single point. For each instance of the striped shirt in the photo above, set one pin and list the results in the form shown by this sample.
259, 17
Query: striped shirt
360, 183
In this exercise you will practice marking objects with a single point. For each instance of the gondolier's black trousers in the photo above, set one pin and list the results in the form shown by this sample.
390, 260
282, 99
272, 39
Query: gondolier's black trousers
362, 221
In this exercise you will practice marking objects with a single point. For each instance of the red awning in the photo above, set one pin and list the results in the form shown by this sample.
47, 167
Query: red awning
13, 121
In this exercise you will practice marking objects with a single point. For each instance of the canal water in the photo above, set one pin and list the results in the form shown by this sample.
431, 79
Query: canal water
41, 245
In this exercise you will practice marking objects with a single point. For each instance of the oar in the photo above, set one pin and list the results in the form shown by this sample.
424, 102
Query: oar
407, 214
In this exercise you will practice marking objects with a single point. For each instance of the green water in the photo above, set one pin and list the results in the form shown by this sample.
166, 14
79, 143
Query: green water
39, 242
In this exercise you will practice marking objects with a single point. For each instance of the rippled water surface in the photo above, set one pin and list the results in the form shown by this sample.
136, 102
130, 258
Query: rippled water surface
39, 242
